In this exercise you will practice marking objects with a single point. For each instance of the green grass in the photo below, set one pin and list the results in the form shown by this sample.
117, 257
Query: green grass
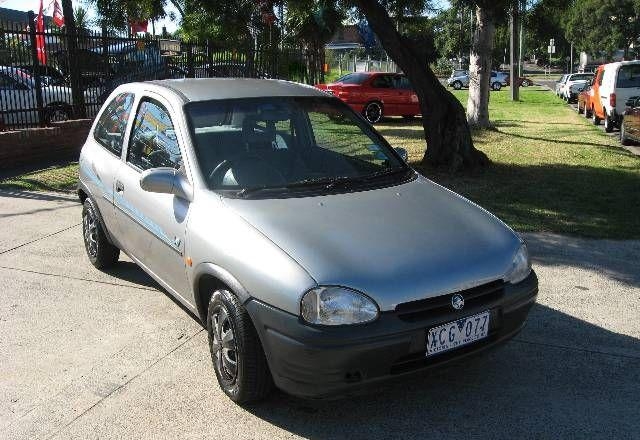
552, 171
55, 178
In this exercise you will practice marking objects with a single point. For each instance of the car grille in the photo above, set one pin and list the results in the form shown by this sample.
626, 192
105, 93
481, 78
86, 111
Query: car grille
483, 296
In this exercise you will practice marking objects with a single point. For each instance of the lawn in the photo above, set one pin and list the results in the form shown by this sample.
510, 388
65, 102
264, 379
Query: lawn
552, 170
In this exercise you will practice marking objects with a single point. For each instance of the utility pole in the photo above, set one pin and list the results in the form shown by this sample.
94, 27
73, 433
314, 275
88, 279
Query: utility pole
513, 58
72, 59
521, 36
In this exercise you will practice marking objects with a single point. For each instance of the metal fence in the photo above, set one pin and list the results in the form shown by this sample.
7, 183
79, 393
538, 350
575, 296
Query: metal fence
72, 76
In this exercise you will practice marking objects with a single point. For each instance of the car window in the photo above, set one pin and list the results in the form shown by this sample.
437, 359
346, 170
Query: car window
110, 128
382, 82
628, 76
153, 140
271, 142
352, 78
401, 82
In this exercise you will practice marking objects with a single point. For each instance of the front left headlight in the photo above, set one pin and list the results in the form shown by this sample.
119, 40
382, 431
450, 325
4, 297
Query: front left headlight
333, 305
520, 266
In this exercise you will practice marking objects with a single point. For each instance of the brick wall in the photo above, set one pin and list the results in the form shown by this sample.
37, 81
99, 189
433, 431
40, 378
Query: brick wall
62, 141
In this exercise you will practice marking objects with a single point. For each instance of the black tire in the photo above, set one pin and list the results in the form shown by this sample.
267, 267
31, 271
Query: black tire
373, 112
581, 110
624, 139
57, 113
242, 372
587, 113
100, 251
594, 118
457, 85
496, 86
526, 83
608, 124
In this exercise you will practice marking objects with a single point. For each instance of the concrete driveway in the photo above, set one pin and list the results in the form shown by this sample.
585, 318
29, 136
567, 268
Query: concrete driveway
86, 354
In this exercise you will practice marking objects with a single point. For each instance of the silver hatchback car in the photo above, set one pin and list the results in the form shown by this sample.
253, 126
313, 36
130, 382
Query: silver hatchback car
318, 260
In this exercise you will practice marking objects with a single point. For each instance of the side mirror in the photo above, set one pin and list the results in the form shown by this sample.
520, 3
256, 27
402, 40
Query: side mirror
403, 153
166, 181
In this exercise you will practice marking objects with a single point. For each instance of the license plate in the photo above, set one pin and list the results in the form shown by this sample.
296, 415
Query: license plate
455, 334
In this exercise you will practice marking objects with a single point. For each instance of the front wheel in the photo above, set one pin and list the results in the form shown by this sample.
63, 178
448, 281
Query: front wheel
57, 114
496, 86
526, 83
581, 110
594, 118
373, 112
624, 139
101, 253
457, 85
238, 359
587, 112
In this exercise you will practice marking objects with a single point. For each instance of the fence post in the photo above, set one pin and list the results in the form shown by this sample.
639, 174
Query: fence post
36, 64
209, 58
79, 109
190, 68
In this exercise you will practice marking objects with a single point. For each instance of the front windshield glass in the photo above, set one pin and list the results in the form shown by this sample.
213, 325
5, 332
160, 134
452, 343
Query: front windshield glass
287, 144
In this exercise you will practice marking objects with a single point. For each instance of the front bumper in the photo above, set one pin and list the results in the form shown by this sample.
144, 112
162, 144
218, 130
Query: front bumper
320, 362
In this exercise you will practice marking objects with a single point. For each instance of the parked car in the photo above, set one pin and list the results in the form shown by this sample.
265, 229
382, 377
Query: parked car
460, 79
18, 102
523, 81
584, 100
376, 94
560, 83
264, 207
617, 83
573, 85
630, 125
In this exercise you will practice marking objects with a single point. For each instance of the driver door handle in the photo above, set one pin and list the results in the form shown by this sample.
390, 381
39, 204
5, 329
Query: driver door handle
119, 186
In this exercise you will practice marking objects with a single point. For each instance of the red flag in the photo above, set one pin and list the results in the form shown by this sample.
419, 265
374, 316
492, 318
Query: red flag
42, 55
58, 17
139, 26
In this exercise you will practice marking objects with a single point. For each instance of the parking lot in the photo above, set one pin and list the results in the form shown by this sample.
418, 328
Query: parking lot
86, 354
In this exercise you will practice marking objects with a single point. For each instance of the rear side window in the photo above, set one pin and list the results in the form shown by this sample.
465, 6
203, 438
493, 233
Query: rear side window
628, 76
110, 128
382, 82
352, 78
153, 140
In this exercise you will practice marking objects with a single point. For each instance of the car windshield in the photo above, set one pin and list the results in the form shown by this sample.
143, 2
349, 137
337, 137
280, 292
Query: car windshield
353, 78
288, 145
629, 76
581, 77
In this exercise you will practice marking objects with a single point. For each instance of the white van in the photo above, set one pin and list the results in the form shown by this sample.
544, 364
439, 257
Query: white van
620, 81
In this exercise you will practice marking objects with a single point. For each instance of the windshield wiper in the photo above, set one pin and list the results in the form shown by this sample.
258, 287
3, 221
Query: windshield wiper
245, 192
383, 172
326, 182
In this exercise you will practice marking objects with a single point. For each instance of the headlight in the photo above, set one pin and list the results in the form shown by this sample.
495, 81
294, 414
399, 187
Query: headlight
337, 306
520, 267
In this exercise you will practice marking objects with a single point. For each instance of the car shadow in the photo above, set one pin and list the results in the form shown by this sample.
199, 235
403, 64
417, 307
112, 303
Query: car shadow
562, 377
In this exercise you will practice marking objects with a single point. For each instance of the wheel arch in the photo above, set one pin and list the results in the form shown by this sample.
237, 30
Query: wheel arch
209, 277
83, 195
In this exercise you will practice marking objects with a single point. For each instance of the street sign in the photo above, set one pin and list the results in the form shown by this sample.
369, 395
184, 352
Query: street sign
169, 48
551, 49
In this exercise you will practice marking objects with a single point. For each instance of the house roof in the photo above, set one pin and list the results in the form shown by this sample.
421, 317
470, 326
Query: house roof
11, 16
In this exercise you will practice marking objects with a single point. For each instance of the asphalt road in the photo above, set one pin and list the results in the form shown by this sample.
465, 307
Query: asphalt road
86, 354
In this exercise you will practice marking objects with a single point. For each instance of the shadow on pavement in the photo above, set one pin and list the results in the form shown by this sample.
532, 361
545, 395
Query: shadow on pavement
535, 386
45, 196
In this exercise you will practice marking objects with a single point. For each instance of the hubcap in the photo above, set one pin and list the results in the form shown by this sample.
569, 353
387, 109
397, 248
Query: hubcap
373, 112
59, 116
224, 345
90, 226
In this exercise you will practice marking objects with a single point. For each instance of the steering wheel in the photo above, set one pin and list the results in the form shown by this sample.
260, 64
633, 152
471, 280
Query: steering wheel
221, 169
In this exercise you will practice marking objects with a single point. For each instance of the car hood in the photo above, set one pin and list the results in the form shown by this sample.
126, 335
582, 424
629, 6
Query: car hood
396, 244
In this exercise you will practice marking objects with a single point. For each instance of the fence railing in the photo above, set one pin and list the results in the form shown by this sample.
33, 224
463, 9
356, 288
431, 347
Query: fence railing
71, 76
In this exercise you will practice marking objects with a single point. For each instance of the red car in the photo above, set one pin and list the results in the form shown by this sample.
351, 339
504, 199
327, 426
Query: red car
376, 94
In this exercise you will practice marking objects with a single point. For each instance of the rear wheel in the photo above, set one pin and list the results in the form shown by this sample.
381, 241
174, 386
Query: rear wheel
608, 123
594, 118
587, 112
101, 253
496, 86
526, 83
457, 85
373, 112
581, 110
57, 113
238, 359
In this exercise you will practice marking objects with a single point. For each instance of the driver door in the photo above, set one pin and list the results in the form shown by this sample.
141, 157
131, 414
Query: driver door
153, 225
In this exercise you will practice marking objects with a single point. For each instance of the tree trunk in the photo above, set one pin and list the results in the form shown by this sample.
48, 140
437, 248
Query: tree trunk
449, 142
480, 70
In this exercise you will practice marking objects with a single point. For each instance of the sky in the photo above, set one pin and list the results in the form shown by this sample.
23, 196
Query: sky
34, 5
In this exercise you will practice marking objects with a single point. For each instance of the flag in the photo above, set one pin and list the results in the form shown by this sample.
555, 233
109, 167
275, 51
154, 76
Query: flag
42, 55
58, 17
139, 26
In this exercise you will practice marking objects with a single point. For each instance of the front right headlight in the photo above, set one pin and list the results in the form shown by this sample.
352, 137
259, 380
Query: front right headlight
334, 305
520, 266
